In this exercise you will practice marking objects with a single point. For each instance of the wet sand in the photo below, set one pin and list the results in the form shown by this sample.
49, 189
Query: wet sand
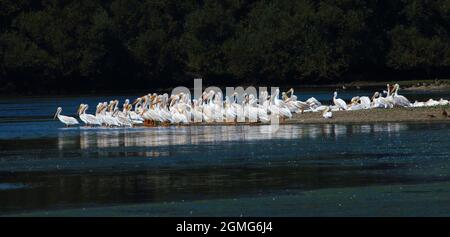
419, 114
423, 114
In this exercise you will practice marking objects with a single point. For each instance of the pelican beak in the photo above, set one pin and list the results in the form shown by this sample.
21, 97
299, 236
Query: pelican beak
56, 113
79, 108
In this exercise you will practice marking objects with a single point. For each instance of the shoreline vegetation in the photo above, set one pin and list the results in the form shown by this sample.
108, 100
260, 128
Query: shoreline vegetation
408, 85
49, 47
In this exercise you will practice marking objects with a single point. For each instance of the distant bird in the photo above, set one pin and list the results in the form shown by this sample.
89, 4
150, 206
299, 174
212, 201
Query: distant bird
68, 121
340, 103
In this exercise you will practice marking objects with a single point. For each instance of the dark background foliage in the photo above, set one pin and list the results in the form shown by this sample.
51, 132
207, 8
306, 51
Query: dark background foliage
56, 46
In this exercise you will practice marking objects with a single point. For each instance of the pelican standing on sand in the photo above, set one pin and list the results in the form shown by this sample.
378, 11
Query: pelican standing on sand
68, 121
399, 100
340, 103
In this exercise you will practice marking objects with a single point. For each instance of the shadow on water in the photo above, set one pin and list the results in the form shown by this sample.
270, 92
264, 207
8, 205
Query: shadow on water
95, 166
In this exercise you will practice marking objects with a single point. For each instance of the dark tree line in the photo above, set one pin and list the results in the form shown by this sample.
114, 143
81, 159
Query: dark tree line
52, 46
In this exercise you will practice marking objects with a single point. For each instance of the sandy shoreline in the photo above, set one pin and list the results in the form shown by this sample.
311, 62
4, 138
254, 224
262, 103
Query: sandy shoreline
422, 114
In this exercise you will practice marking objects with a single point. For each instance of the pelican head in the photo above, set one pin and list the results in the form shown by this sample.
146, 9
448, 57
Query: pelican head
376, 95
396, 87
355, 100
136, 101
58, 111
80, 108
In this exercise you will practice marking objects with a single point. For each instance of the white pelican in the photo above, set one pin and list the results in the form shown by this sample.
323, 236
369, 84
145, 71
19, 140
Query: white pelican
122, 118
386, 102
292, 103
230, 112
339, 103
327, 113
313, 103
238, 108
418, 104
431, 102
88, 119
443, 102
108, 115
218, 107
178, 116
278, 106
197, 110
68, 121
399, 100
133, 116
358, 103
365, 101
252, 109
208, 107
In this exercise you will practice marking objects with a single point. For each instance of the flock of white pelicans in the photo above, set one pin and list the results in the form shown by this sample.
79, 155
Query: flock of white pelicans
154, 109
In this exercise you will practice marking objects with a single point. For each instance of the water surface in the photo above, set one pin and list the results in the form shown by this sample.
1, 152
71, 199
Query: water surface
330, 169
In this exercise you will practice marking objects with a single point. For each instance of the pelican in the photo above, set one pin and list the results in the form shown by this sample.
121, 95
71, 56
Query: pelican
418, 104
399, 100
339, 103
313, 103
239, 108
355, 104
208, 107
358, 103
365, 101
122, 118
278, 106
443, 102
386, 102
108, 117
68, 121
197, 110
327, 113
292, 103
431, 103
252, 109
88, 119
230, 112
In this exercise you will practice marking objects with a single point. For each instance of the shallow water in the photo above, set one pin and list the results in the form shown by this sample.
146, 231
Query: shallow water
45, 167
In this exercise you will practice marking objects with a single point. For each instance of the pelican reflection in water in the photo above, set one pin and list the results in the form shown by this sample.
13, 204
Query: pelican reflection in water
100, 138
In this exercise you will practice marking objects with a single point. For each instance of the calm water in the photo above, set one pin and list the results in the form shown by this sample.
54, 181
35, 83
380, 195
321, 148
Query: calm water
394, 168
